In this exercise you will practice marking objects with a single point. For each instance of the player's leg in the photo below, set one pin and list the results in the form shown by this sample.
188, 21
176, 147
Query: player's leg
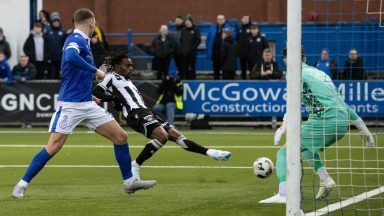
159, 139
118, 136
55, 143
189, 145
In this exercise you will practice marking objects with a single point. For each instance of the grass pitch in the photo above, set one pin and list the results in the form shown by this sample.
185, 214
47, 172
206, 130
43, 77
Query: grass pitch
83, 179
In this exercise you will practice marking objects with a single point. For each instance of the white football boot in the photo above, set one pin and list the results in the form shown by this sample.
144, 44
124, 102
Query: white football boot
276, 199
219, 155
18, 191
326, 188
136, 185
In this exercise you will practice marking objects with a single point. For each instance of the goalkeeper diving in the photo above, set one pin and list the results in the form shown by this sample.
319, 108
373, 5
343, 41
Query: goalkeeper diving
328, 122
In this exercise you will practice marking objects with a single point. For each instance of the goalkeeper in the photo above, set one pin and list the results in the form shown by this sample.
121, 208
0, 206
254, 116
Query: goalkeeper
328, 122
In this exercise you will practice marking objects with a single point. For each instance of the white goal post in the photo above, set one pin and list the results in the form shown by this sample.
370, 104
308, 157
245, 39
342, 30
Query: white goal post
293, 106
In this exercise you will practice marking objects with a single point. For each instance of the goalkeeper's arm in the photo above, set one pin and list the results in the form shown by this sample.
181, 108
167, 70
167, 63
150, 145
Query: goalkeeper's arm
360, 125
280, 131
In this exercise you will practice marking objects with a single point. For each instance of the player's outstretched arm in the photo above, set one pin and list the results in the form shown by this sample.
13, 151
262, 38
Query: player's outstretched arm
280, 132
100, 93
360, 125
72, 56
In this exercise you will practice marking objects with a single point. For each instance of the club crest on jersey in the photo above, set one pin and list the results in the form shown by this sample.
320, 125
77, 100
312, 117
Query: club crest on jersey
63, 124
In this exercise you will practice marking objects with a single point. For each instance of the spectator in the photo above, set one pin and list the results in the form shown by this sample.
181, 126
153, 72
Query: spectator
45, 21
176, 35
256, 45
326, 64
101, 37
5, 70
98, 50
228, 56
266, 69
56, 38
214, 43
4, 45
24, 70
189, 41
243, 35
170, 99
353, 67
162, 47
36, 48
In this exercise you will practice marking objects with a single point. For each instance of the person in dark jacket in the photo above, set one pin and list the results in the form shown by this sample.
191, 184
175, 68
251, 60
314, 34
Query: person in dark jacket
228, 56
326, 64
176, 35
214, 42
267, 69
243, 35
45, 21
189, 41
98, 50
256, 45
353, 67
170, 91
56, 38
4, 45
37, 49
5, 70
24, 70
162, 47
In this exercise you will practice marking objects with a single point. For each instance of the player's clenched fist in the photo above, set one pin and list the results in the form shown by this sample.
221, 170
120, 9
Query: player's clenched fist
100, 74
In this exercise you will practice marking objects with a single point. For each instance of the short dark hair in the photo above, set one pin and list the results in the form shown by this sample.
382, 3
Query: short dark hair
302, 53
114, 58
38, 24
82, 14
179, 17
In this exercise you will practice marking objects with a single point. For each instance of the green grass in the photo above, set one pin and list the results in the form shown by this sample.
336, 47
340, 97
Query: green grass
180, 191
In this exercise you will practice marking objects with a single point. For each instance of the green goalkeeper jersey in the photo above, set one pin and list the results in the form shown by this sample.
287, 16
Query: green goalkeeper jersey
321, 97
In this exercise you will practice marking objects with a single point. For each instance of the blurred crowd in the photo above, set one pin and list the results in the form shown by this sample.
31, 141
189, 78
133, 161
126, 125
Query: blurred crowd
244, 48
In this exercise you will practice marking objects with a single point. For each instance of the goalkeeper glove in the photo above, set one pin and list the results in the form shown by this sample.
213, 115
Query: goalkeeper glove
280, 132
367, 136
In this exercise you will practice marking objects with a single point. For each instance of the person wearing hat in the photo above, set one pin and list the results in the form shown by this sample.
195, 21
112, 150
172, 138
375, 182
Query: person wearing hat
257, 43
189, 41
56, 38
170, 99
228, 55
4, 45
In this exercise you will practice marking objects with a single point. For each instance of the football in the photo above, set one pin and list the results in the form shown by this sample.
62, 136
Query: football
263, 167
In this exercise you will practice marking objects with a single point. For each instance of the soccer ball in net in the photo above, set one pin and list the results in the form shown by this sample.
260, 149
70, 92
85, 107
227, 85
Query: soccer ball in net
263, 167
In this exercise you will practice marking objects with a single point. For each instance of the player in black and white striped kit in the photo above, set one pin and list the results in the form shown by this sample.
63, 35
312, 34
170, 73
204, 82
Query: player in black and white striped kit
126, 97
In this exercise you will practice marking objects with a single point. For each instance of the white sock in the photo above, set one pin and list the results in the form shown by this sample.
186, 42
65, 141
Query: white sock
128, 181
22, 183
323, 174
135, 164
283, 188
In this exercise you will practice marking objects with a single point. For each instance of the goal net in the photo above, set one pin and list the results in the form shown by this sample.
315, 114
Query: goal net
345, 40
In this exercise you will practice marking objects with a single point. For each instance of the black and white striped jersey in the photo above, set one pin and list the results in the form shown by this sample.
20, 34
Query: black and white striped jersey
125, 89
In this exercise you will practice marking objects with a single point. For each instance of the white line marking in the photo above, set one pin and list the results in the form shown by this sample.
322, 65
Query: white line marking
171, 147
344, 203
174, 167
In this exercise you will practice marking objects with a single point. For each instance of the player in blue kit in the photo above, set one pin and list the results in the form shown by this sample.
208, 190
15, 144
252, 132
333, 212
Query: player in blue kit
76, 104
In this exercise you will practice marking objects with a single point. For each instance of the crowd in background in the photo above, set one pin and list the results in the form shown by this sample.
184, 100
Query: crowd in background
226, 46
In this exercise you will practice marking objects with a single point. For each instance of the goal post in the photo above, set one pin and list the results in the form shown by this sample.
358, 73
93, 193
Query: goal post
293, 106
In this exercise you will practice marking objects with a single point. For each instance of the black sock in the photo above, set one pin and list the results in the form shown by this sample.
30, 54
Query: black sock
191, 146
149, 150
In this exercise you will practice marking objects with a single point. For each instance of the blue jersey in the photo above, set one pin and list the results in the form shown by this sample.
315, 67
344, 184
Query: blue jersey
77, 70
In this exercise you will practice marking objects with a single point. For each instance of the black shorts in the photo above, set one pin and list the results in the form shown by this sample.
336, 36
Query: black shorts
143, 121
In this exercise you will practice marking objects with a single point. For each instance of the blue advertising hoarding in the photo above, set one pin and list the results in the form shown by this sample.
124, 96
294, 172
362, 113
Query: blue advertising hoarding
268, 98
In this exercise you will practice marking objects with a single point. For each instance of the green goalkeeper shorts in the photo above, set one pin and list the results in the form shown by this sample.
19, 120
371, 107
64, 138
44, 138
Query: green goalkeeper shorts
319, 134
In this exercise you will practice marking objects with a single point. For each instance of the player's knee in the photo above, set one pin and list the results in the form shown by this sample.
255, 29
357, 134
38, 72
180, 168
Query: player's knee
163, 137
121, 138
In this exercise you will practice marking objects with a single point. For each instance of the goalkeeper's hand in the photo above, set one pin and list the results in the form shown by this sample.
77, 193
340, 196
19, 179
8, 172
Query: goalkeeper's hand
366, 134
280, 132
